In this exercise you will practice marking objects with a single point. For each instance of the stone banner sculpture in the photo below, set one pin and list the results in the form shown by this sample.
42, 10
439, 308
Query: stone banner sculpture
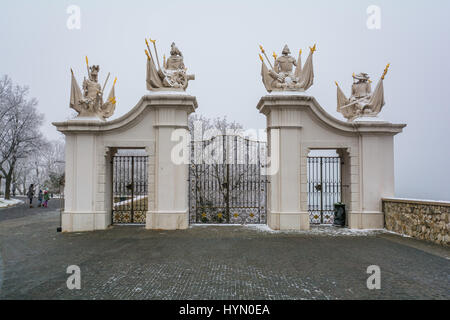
172, 76
90, 102
282, 76
362, 102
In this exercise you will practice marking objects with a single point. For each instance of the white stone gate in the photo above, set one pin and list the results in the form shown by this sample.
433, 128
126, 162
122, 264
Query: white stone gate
297, 124
91, 144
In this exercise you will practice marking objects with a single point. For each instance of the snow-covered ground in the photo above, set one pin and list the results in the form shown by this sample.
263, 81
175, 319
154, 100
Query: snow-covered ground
326, 230
320, 230
9, 203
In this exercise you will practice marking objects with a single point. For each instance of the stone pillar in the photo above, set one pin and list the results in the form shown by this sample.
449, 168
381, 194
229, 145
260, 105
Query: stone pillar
171, 208
284, 208
377, 177
80, 212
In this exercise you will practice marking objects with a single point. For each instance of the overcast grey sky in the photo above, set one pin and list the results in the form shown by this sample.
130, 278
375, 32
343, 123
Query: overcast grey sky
219, 40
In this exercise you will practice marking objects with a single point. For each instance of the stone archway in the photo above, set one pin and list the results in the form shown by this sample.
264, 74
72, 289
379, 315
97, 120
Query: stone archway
91, 145
297, 124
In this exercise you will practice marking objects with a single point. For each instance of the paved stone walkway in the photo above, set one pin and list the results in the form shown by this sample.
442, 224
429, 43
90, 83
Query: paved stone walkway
213, 262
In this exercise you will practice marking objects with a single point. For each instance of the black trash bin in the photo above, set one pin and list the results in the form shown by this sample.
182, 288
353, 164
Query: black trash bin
339, 214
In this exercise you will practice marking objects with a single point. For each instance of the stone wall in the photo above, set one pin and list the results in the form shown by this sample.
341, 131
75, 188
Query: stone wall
427, 220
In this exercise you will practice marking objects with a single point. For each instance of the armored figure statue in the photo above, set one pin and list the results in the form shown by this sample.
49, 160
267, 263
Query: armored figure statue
282, 76
172, 75
362, 101
283, 67
90, 102
92, 90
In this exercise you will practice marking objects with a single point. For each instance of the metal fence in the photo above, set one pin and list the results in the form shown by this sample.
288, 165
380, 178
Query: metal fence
130, 189
225, 181
324, 188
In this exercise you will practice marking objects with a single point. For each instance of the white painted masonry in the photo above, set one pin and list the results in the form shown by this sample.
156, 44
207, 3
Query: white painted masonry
366, 149
90, 145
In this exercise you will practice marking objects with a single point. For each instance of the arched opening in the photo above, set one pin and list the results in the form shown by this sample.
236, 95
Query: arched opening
324, 184
129, 186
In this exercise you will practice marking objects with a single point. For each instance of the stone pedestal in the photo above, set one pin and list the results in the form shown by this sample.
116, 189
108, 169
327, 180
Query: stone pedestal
297, 124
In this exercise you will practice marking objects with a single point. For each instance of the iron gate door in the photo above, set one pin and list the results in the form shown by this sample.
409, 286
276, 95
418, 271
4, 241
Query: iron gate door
227, 187
130, 196
324, 188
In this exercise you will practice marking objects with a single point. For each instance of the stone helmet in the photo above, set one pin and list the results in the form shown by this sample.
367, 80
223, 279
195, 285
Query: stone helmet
174, 50
286, 50
94, 69
361, 76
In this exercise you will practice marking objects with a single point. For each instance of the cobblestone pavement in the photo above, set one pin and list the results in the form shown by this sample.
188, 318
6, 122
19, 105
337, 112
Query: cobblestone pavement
213, 262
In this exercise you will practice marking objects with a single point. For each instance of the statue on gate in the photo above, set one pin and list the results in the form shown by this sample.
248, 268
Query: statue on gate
362, 102
282, 76
172, 75
90, 102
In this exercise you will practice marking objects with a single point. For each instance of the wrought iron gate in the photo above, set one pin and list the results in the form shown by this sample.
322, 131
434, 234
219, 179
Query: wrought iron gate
130, 196
324, 188
225, 181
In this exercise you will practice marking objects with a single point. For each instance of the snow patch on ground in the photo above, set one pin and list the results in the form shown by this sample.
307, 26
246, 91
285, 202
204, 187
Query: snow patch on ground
319, 230
398, 234
326, 230
9, 203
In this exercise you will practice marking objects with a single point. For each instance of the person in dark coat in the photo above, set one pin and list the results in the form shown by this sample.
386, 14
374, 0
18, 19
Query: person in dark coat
30, 194
40, 195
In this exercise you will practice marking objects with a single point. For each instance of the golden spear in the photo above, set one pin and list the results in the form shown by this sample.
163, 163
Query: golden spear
274, 55
156, 52
313, 48
149, 51
385, 71
148, 56
264, 53
87, 66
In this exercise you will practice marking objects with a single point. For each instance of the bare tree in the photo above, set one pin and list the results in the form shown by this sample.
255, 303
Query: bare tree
199, 125
217, 183
5, 90
19, 129
53, 165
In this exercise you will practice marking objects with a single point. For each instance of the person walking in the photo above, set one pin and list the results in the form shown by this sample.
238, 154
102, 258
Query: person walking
46, 198
40, 196
30, 194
